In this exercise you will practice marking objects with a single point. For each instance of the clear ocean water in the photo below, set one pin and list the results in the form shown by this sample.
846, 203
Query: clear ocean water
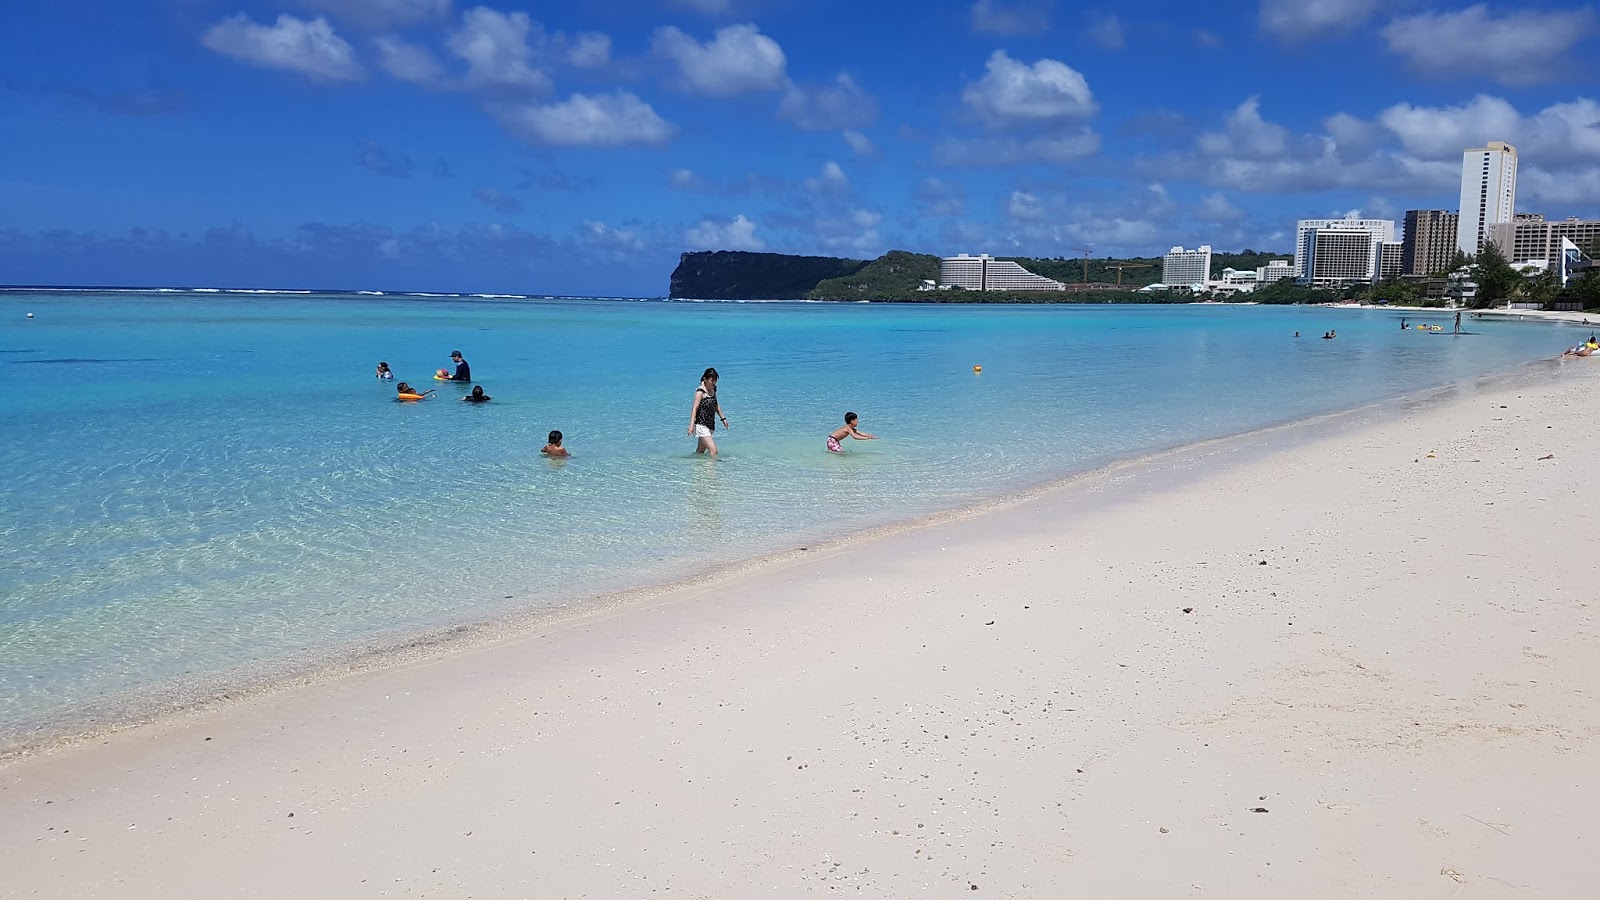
202, 486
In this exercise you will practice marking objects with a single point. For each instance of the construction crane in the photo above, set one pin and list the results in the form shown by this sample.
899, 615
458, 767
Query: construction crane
1122, 265
1085, 251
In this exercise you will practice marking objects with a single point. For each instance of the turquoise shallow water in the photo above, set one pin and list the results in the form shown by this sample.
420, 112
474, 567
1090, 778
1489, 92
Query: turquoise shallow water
201, 486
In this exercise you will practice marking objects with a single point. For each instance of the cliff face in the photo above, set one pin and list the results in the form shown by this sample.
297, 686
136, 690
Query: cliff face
737, 275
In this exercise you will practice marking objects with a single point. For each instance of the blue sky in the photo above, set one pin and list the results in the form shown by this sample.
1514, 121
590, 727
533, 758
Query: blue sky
580, 147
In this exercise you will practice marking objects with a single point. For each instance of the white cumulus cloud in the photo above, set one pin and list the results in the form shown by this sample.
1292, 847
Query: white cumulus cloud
1247, 136
832, 180
602, 120
860, 144
1562, 133
495, 47
1299, 20
309, 48
854, 231
1013, 93
738, 234
1520, 47
383, 13
738, 60
590, 50
1023, 205
839, 105
408, 62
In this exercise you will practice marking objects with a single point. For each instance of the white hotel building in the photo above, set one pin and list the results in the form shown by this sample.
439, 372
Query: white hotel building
1382, 231
1184, 268
985, 273
1488, 194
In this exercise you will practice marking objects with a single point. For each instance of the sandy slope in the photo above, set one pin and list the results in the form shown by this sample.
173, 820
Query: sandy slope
1392, 657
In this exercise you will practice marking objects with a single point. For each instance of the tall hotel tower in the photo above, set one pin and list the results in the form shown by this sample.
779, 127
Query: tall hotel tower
1488, 193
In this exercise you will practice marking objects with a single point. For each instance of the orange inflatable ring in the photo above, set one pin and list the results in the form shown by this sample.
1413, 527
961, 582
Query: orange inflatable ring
412, 396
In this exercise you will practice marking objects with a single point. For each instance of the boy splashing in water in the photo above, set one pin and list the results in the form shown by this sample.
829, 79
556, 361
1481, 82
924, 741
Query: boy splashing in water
849, 430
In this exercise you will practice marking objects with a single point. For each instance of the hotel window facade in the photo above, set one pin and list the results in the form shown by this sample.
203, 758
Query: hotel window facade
1488, 194
1275, 270
985, 273
1182, 268
1429, 241
1340, 256
1390, 259
1530, 238
1381, 229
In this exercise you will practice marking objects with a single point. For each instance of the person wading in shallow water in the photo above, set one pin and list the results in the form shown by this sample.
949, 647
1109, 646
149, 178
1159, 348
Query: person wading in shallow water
704, 413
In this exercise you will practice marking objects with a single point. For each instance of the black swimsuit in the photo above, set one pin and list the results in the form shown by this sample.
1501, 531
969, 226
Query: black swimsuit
705, 412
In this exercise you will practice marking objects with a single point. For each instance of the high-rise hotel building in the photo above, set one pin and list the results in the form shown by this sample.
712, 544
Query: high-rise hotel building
1429, 242
1184, 268
1488, 193
985, 273
1379, 231
1305, 230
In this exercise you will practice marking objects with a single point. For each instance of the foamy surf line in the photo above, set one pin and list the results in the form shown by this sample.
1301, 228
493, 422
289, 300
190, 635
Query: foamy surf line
1110, 479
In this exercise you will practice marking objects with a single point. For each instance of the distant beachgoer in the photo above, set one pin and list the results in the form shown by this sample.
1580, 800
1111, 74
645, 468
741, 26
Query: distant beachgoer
705, 412
1403, 325
1458, 324
849, 430
477, 395
384, 373
554, 448
1327, 335
1297, 334
1333, 334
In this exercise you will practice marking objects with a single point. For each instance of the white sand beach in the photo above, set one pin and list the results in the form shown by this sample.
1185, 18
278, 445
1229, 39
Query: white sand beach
1356, 658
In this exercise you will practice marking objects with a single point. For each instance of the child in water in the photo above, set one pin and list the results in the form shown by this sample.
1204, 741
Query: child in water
849, 430
554, 448
384, 373
403, 389
477, 395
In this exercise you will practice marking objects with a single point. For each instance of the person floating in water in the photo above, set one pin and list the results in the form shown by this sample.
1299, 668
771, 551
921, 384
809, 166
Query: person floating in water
383, 372
463, 371
704, 413
554, 448
477, 395
406, 392
849, 430
1297, 334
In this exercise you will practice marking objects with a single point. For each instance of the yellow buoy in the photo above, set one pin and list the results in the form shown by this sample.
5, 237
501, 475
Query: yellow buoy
977, 370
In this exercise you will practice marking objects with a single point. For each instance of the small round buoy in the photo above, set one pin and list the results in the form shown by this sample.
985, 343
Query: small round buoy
977, 370
30, 315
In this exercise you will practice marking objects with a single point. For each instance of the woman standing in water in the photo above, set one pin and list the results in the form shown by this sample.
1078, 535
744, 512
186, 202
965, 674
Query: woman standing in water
704, 413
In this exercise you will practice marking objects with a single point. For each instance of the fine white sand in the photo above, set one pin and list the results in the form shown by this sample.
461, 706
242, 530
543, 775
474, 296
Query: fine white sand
1352, 659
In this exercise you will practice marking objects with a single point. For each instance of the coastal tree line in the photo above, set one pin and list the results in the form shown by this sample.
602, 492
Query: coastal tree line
900, 276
